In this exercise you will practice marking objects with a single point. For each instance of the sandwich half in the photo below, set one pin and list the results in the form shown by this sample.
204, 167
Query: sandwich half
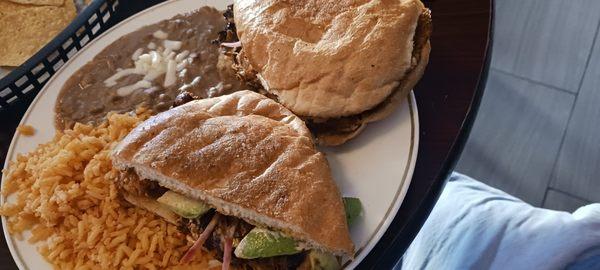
240, 173
337, 64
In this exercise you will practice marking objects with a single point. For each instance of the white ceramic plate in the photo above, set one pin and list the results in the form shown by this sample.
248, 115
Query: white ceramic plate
376, 166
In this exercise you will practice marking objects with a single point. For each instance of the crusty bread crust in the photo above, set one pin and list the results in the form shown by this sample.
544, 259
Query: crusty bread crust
336, 131
336, 137
249, 157
328, 59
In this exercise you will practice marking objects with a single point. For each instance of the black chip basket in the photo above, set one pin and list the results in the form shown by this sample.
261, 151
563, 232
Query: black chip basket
19, 88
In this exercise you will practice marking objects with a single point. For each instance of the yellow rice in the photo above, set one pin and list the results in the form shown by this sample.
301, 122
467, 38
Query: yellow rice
63, 192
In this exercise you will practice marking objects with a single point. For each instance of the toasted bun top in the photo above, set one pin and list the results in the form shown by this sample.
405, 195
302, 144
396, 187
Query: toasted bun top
249, 157
339, 130
328, 58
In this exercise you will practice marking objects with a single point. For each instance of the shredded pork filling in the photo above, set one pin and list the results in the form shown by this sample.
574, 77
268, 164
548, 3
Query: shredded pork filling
129, 182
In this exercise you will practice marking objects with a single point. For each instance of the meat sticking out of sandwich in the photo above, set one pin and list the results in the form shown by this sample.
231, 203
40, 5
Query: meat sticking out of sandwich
337, 64
239, 173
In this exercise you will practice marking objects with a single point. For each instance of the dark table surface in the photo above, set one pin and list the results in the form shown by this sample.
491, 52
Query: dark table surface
447, 99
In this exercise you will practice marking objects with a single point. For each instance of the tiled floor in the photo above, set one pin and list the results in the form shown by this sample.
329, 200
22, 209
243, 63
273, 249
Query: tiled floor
537, 134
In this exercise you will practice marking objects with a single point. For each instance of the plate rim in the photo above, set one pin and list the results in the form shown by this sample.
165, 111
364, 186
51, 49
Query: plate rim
371, 242
401, 192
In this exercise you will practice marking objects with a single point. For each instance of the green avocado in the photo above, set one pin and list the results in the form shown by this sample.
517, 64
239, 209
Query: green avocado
182, 205
262, 243
353, 209
323, 261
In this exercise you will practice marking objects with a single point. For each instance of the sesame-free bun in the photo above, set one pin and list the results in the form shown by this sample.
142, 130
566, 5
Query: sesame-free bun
330, 59
339, 130
249, 157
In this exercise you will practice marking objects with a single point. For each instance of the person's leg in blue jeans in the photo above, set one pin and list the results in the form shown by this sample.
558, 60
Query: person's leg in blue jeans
474, 226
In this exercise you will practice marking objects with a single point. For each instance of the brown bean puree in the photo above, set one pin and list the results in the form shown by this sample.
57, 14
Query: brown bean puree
89, 95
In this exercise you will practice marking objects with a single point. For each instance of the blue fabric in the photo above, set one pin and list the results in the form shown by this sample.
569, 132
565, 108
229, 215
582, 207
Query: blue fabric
589, 260
474, 226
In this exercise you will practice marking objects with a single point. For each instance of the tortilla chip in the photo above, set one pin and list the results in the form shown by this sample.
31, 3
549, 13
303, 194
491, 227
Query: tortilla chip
7, 7
40, 2
25, 31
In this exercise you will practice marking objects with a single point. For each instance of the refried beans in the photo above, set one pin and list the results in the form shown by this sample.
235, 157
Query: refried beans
87, 97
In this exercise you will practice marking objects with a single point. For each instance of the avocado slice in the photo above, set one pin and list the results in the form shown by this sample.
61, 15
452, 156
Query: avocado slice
353, 209
182, 205
323, 261
262, 243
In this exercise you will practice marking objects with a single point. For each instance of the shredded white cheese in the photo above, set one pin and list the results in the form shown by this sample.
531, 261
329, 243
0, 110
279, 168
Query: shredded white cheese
182, 73
172, 44
182, 55
215, 90
186, 86
181, 65
137, 54
152, 75
167, 51
170, 77
127, 90
160, 34
112, 80
152, 64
